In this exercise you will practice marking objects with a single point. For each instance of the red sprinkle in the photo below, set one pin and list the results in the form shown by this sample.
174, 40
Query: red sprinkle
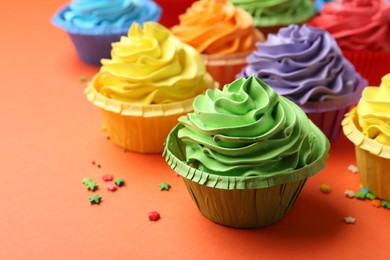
93, 162
377, 203
112, 187
154, 216
107, 177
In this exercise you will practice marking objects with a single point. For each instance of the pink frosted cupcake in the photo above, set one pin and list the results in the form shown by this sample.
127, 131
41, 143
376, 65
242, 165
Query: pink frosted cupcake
222, 33
304, 64
367, 126
362, 30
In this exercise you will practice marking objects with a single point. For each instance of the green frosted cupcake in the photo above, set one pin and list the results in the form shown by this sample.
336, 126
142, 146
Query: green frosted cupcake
245, 153
271, 15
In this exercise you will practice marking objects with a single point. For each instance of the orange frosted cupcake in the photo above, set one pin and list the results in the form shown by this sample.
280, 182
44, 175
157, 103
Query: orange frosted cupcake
150, 80
367, 126
222, 33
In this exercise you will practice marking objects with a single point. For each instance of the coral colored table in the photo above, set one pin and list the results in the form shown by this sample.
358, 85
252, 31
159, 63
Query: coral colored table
50, 134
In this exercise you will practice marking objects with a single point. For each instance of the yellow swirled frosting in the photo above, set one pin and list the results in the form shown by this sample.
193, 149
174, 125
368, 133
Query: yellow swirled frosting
151, 66
374, 112
217, 27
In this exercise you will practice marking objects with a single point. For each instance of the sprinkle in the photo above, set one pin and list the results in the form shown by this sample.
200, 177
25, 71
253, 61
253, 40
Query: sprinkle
107, 177
93, 162
353, 168
325, 188
349, 193
119, 182
99, 166
376, 203
362, 189
153, 216
349, 220
360, 195
165, 186
112, 187
95, 199
104, 127
370, 196
83, 79
91, 185
386, 204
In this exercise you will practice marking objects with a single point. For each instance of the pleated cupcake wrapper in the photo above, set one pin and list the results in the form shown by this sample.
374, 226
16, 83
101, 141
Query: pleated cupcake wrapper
373, 158
328, 115
241, 201
372, 65
136, 127
224, 68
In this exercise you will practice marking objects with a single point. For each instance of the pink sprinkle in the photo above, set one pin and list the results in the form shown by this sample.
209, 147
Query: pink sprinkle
154, 216
107, 177
112, 187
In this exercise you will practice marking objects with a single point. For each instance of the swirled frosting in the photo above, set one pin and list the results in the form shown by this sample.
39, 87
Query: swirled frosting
304, 64
357, 24
277, 12
92, 13
247, 129
151, 66
217, 27
374, 112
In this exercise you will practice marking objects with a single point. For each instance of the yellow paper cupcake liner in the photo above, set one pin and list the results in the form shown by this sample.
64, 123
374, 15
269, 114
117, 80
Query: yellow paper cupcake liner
139, 128
373, 158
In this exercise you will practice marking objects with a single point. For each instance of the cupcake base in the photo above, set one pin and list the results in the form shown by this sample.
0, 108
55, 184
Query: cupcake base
249, 208
373, 158
370, 64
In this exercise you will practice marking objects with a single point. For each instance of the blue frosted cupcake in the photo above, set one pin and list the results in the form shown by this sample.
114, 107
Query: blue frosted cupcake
94, 24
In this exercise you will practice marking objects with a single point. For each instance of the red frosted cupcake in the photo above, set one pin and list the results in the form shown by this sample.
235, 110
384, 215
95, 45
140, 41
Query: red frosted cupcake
362, 30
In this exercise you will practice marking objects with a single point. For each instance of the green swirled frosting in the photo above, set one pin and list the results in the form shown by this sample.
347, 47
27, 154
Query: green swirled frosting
247, 129
277, 12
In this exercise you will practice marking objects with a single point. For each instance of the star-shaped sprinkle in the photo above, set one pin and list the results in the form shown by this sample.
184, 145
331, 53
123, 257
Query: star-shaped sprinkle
111, 187
353, 168
360, 195
91, 185
119, 182
107, 177
362, 189
350, 220
386, 204
376, 203
370, 196
153, 216
349, 193
325, 188
165, 186
95, 199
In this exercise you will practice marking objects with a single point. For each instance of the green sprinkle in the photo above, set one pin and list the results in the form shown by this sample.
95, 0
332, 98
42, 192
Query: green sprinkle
83, 79
360, 195
95, 199
119, 182
165, 186
370, 196
386, 204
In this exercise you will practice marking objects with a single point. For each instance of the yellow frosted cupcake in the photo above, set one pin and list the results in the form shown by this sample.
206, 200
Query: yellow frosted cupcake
150, 80
222, 33
368, 127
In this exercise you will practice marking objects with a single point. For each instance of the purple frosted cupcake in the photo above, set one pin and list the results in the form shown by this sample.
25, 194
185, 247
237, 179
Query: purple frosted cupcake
94, 24
306, 65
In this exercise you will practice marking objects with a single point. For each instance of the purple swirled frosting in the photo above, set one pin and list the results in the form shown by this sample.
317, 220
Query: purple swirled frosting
304, 64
